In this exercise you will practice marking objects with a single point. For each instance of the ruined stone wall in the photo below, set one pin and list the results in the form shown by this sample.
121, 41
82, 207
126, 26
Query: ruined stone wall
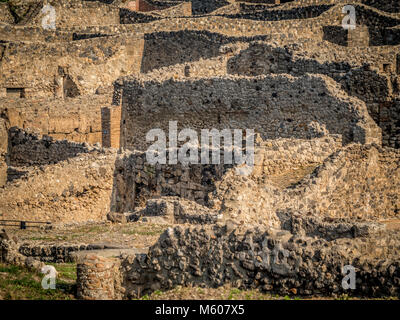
164, 49
250, 258
34, 150
275, 157
77, 119
357, 182
42, 69
80, 13
136, 181
31, 33
5, 15
75, 190
389, 120
372, 78
274, 106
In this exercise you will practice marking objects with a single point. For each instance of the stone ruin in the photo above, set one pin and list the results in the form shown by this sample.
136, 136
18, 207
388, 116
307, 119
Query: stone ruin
76, 104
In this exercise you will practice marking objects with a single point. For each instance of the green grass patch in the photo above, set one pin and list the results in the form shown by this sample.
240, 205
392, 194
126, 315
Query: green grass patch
18, 283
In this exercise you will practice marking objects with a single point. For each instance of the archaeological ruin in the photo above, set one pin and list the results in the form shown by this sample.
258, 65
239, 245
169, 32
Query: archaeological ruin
84, 82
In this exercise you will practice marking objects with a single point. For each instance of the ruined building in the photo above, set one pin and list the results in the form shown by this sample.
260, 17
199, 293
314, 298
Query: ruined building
78, 98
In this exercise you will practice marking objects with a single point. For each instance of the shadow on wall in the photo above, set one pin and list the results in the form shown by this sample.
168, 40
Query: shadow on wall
169, 48
384, 5
277, 15
275, 107
374, 36
200, 7
27, 149
379, 29
136, 181
261, 59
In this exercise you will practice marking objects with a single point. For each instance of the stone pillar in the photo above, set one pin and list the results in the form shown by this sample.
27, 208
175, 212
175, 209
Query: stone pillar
358, 37
111, 126
98, 278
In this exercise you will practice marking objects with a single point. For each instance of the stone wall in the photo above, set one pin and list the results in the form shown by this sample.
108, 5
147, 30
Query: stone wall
43, 68
165, 49
274, 106
75, 119
252, 258
32, 33
136, 181
369, 174
33, 150
368, 80
76, 13
5, 15
111, 126
75, 190
389, 121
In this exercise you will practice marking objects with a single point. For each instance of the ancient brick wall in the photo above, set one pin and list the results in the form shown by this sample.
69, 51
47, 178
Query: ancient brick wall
33, 150
75, 190
89, 64
247, 258
77, 120
274, 106
371, 193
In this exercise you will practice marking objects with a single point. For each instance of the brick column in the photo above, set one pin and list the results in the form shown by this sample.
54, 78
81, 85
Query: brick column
111, 126
98, 278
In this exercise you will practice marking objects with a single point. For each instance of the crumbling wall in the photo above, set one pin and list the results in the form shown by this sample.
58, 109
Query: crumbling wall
77, 119
75, 190
169, 48
5, 14
357, 182
253, 258
274, 106
136, 181
76, 13
42, 69
389, 120
3, 152
26, 149
365, 80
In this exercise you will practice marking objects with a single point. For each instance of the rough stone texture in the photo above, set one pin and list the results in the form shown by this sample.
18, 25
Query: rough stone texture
78, 68
274, 106
249, 258
358, 182
27, 149
98, 279
76, 189
283, 68
9, 254
3, 152
77, 119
